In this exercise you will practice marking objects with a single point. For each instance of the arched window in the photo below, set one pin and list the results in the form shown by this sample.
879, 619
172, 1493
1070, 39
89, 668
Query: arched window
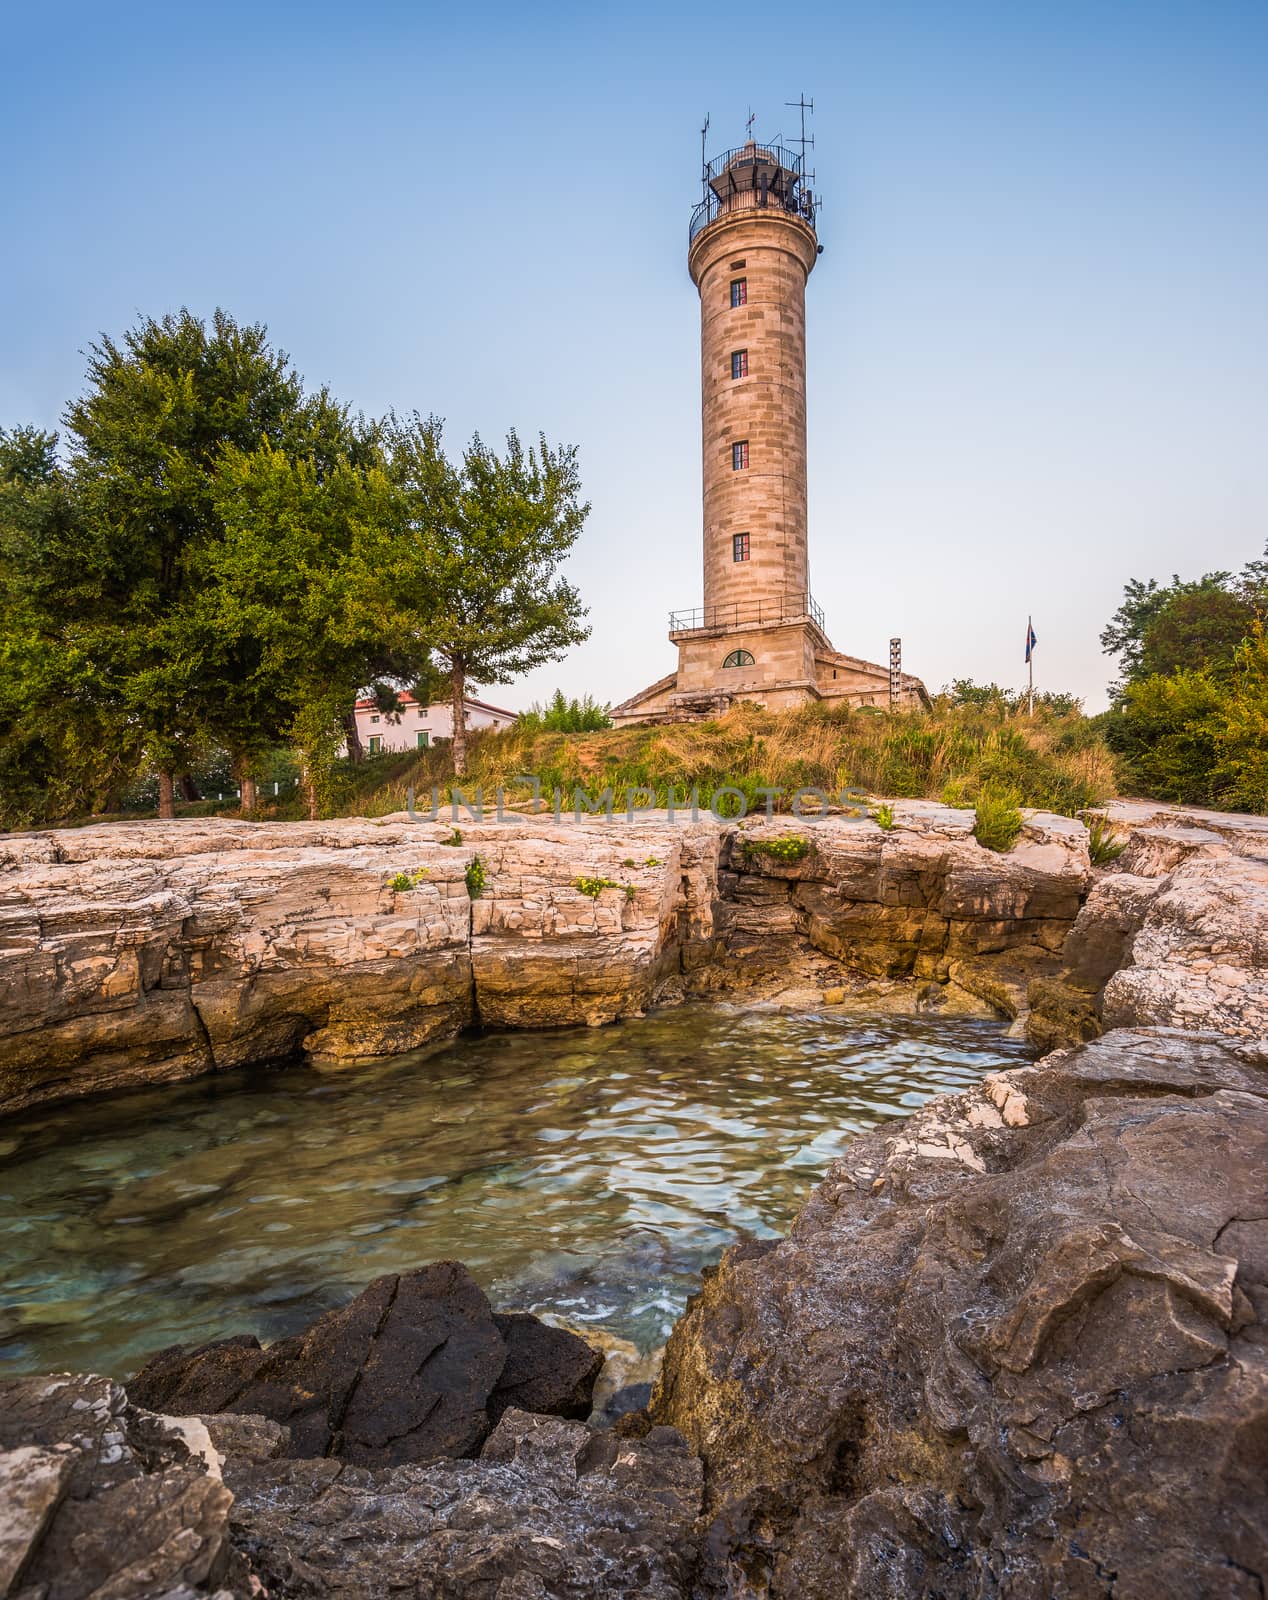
738, 658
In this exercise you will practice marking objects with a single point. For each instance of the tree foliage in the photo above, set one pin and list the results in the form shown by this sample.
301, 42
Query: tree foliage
1190, 714
475, 550
221, 562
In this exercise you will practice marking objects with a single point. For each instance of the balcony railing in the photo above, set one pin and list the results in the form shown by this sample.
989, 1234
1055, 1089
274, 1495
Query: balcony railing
749, 170
746, 614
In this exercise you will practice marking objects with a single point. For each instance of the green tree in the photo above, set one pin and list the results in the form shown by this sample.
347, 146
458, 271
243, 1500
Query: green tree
147, 438
298, 588
65, 743
474, 557
1164, 726
1187, 624
1191, 712
1241, 742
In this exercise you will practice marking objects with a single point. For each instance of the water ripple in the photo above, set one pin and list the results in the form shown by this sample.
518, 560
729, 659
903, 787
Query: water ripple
591, 1171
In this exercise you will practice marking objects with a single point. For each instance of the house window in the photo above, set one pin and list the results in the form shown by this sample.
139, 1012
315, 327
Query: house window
374, 719
738, 658
739, 363
739, 291
739, 547
375, 743
739, 455
424, 739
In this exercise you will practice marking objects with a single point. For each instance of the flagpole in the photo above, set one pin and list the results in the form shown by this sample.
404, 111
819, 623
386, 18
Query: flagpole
1030, 662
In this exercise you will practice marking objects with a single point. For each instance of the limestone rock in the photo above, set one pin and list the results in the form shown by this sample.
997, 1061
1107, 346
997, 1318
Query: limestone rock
1133, 819
1100, 941
417, 1367
1018, 1345
100, 1501
1200, 957
145, 952
915, 897
245, 1437
550, 1509
32, 1481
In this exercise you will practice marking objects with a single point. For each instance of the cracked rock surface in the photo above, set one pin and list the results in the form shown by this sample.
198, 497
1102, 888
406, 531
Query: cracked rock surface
100, 1502
417, 1367
551, 1509
1015, 1347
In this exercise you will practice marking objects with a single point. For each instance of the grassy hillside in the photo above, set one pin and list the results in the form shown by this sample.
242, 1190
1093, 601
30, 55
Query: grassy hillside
1054, 761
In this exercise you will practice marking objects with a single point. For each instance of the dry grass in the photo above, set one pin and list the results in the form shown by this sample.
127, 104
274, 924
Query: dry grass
1056, 762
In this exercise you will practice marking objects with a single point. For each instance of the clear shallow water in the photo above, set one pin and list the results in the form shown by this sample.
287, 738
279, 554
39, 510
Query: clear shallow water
592, 1172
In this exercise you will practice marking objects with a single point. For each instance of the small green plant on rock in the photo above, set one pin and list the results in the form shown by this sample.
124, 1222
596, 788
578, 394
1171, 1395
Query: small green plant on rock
403, 882
788, 847
594, 887
998, 825
455, 839
475, 876
1103, 844
629, 862
653, 861
883, 816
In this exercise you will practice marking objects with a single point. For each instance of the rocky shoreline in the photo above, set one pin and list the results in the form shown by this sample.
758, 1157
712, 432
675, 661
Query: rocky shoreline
142, 953
1014, 1346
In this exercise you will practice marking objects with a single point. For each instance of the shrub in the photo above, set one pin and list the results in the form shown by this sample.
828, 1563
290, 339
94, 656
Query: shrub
561, 715
883, 817
1103, 844
787, 847
998, 824
594, 887
403, 882
475, 876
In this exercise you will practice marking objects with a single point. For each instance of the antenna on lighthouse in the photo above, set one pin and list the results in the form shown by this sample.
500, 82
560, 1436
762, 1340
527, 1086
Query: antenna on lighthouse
704, 160
748, 126
803, 105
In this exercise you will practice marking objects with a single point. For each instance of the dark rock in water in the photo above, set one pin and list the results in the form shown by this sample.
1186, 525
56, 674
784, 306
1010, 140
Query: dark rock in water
417, 1367
1016, 1346
548, 1370
551, 1509
98, 1500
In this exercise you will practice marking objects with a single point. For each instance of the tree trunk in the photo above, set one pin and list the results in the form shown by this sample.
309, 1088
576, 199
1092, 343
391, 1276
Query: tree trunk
189, 789
308, 788
356, 750
167, 799
458, 685
248, 803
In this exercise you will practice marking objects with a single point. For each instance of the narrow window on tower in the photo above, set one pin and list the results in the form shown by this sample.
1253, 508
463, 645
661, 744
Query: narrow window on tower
739, 455
739, 291
739, 363
739, 547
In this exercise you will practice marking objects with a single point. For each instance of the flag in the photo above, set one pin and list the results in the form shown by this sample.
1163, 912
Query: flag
1032, 639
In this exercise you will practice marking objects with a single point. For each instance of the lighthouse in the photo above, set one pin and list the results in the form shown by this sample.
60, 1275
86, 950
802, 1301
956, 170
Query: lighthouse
757, 633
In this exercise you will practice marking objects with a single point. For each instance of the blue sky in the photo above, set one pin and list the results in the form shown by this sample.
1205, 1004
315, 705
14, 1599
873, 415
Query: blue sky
1038, 332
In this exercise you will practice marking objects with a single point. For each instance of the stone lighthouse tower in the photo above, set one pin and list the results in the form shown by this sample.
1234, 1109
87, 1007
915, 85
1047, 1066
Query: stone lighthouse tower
758, 633
752, 249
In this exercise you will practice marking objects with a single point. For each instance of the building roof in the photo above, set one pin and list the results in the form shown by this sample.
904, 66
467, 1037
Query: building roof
407, 699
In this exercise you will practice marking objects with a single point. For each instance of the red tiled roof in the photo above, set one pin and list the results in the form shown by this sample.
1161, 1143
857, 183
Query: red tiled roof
407, 699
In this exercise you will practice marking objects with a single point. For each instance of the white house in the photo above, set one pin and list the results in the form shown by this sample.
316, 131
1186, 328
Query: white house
416, 726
